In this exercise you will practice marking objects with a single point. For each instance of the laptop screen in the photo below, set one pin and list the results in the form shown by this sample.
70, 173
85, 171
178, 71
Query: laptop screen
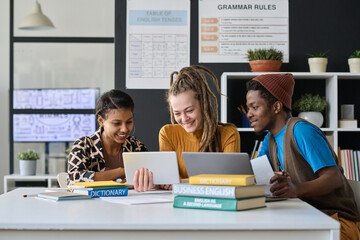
217, 163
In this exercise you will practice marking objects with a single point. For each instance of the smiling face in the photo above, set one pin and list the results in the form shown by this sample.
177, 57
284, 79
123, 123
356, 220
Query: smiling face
117, 125
261, 115
186, 110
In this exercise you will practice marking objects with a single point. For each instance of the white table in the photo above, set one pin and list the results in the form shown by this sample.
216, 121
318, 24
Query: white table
33, 218
9, 180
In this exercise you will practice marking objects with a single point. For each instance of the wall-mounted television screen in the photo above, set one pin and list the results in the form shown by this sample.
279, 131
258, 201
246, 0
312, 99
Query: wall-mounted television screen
72, 98
52, 127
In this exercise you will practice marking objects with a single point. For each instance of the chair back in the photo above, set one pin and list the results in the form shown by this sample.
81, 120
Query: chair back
61, 178
355, 185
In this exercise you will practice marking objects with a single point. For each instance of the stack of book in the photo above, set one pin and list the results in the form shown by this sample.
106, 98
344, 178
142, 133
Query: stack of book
101, 188
219, 192
349, 159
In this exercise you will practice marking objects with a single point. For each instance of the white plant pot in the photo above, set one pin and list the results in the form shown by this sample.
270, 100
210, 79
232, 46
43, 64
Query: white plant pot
27, 167
354, 65
318, 64
315, 118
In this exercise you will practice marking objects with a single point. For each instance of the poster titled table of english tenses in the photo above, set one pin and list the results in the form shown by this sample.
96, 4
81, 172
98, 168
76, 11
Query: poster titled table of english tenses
157, 41
228, 28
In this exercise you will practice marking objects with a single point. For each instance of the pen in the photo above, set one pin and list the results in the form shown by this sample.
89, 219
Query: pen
284, 174
29, 195
243, 109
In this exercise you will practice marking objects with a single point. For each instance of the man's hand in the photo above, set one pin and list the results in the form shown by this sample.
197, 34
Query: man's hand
283, 186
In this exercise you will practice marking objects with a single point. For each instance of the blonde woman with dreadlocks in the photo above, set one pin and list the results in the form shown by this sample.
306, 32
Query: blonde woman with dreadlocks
194, 107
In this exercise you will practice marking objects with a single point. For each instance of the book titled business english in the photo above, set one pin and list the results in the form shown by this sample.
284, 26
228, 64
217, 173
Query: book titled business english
222, 204
213, 191
223, 180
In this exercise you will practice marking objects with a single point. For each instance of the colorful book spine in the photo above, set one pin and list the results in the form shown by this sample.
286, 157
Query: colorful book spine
356, 166
223, 180
112, 192
222, 204
349, 163
218, 191
350, 160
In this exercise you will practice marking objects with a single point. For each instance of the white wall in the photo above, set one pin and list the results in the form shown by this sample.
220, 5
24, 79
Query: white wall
96, 19
4, 90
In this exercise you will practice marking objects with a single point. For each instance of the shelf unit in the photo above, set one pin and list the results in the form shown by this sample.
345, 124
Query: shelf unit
338, 88
10, 180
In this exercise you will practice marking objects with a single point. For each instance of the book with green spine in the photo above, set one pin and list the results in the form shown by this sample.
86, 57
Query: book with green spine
58, 196
222, 204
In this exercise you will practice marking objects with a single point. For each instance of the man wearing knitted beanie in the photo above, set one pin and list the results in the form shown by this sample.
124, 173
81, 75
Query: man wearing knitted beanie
300, 151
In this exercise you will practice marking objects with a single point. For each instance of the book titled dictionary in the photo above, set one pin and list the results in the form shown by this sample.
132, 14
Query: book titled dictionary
224, 180
219, 203
109, 192
213, 191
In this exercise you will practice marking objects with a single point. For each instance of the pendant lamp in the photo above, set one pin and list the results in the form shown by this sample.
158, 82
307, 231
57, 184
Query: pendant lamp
36, 20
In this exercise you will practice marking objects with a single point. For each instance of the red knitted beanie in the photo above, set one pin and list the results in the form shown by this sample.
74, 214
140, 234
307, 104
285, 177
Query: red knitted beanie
281, 86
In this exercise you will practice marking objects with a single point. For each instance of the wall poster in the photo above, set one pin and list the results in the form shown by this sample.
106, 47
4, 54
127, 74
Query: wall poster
157, 41
228, 28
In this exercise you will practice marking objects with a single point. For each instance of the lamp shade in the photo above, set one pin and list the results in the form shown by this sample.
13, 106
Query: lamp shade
36, 20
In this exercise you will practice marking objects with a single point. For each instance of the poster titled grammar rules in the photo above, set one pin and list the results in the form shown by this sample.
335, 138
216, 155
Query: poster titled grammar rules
228, 28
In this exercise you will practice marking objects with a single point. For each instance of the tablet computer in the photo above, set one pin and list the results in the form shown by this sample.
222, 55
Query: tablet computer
164, 166
217, 163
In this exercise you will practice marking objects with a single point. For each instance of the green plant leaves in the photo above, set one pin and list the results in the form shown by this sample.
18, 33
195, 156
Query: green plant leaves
356, 54
310, 103
264, 54
315, 54
28, 155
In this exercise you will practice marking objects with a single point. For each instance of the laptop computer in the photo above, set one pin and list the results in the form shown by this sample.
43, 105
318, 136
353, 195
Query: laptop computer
164, 166
217, 163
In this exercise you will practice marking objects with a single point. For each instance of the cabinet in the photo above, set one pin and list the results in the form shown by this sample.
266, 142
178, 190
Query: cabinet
338, 88
10, 180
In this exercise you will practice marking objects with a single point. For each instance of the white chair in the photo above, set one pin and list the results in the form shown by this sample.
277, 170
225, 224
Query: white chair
355, 185
61, 178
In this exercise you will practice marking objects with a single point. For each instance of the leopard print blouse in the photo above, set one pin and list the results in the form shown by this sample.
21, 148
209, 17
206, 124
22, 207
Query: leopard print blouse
86, 156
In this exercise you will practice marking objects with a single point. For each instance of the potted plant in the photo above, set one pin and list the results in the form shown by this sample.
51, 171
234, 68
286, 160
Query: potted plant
310, 107
265, 60
354, 62
27, 162
318, 61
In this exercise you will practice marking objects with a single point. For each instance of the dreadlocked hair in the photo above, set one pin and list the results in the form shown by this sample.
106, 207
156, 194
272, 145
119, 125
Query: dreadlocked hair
194, 78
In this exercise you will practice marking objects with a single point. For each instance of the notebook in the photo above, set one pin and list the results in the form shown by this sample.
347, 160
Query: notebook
57, 196
164, 166
217, 163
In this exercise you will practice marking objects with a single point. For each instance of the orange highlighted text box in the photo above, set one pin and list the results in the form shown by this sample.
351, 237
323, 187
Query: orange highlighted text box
209, 49
209, 37
209, 29
209, 20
